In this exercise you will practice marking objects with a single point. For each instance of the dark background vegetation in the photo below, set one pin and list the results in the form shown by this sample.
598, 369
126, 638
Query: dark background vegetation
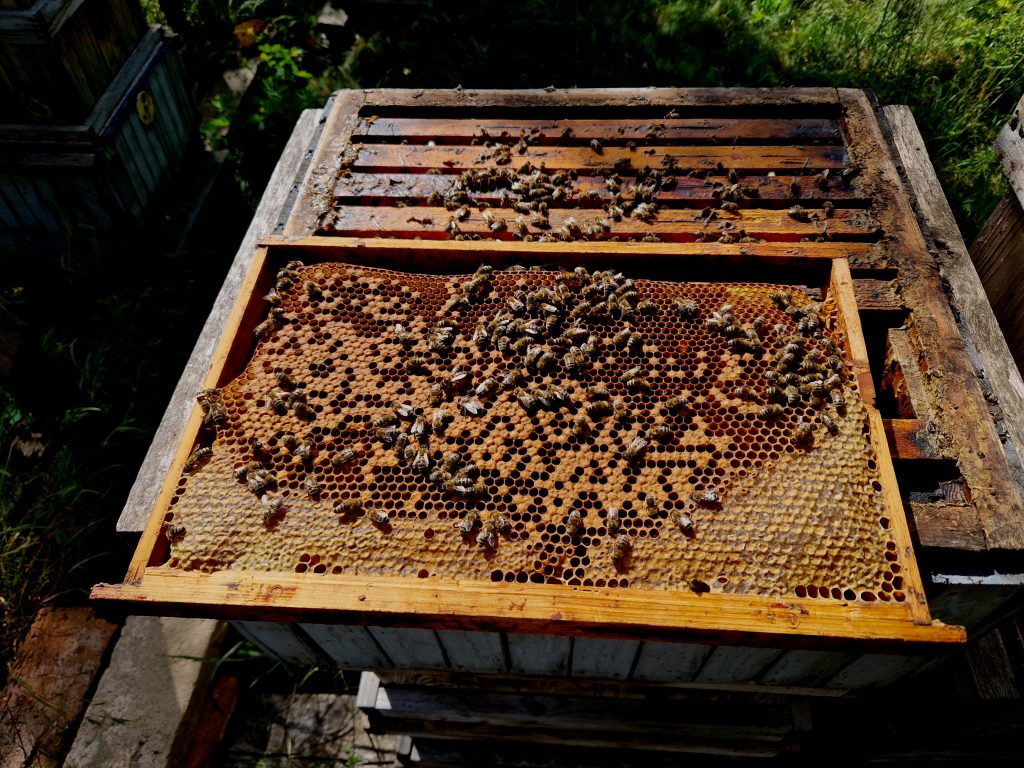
95, 336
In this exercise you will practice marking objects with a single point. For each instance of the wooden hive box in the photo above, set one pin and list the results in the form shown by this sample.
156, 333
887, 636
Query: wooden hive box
384, 191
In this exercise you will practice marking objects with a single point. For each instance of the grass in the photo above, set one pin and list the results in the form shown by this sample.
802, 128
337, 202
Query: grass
104, 334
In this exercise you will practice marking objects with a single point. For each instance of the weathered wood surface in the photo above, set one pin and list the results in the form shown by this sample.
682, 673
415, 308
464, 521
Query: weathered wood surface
268, 216
1010, 149
962, 409
998, 255
56, 668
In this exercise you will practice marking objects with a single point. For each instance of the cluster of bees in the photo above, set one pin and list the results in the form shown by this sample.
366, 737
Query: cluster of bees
553, 330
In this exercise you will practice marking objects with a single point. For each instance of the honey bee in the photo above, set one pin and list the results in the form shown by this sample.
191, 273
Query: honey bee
459, 378
651, 505
636, 449
745, 393
834, 363
803, 432
639, 384
420, 461
348, 507
419, 428
502, 523
439, 421
174, 532
830, 425
470, 406
782, 299
685, 523
378, 516
313, 291
572, 522
770, 412
574, 359
451, 461
792, 395
812, 388
580, 427
304, 412
402, 336
263, 330
486, 388
836, 395
488, 536
417, 364
598, 409
404, 411
708, 497
196, 458
832, 382
612, 520
515, 303
469, 522
258, 480
678, 403
699, 587
620, 410
595, 145
303, 449
621, 548
272, 506
647, 307
662, 434
454, 304
311, 487
598, 392
344, 456
243, 472
388, 435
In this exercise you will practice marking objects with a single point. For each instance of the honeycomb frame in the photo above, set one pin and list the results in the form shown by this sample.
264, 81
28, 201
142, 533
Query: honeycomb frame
576, 605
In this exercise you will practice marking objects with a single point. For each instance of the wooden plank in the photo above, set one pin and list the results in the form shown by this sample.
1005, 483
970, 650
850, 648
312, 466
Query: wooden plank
963, 412
877, 295
369, 688
546, 609
603, 658
874, 670
539, 654
772, 191
389, 158
998, 255
55, 669
410, 648
969, 605
903, 373
671, 224
611, 131
948, 526
279, 640
1010, 150
675, 662
473, 651
804, 667
157, 461
736, 664
910, 440
349, 647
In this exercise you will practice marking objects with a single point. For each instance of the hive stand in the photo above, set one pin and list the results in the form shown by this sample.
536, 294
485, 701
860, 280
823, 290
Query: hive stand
957, 475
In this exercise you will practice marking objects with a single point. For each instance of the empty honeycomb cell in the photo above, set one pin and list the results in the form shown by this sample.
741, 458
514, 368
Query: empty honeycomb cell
775, 528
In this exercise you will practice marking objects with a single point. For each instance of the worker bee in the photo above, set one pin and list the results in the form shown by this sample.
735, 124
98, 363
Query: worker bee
501, 523
591, 346
699, 587
488, 536
258, 480
830, 425
486, 388
348, 507
454, 304
598, 392
285, 381
770, 412
404, 411
439, 421
782, 299
263, 330
272, 506
708, 497
834, 363
304, 411
678, 403
580, 427
478, 286
470, 406
242, 472
685, 523
469, 522
612, 521
647, 307
303, 449
388, 435
803, 432
311, 487
812, 388
402, 336
639, 384
836, 395
175, 532
420, 461
451, 461
459, 378
417, 364
598, 409
651, 505
792, 395
419, 428
378, 516
572, 522
516, 304
313, 291
832, 382
687, 308
196, 458
574, 359
620, 410
344, 456
662, 434
621, 548
745, 393
636, 449
595, 145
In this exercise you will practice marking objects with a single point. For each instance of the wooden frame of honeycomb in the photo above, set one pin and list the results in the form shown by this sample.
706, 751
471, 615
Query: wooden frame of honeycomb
772, 517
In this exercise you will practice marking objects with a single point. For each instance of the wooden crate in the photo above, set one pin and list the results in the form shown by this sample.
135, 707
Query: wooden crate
105, 171
58, 57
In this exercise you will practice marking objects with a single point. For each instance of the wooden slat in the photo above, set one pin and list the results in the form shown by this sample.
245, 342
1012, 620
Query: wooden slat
690, 191
473, 651
1010, 149
279, 640
410, 648
617, 130
593, 657
736, 664
948, 526
677, 662
873, 670
389, 158
998, 255
804, 667
877, 295
539, 654
911, 440
961, 408
349, 647
670, 224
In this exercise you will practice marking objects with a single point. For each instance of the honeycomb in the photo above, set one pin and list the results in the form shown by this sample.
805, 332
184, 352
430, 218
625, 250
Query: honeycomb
689, 473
